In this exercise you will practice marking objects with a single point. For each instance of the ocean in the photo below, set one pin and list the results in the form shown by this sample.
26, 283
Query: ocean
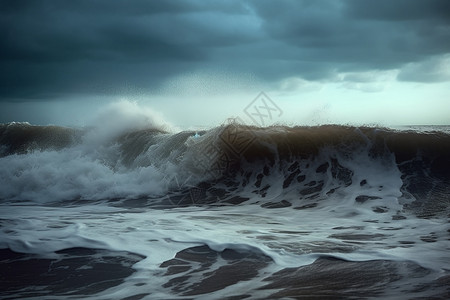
231, 212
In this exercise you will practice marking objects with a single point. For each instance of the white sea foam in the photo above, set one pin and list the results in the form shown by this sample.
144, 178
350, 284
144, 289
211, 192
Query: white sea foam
91, 169
121, 117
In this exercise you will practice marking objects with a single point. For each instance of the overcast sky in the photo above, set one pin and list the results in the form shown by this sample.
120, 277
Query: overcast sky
326, 61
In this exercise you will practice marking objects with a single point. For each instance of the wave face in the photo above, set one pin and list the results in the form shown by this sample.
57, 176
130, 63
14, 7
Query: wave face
314, 161
277, 202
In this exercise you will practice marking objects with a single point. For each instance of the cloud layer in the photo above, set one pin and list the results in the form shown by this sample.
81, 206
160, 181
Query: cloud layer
56, 48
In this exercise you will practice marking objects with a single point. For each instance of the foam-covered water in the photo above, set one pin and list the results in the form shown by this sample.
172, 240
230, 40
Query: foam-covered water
132, 208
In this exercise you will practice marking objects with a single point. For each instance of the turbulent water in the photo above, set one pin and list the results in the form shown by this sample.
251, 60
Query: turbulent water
233, 212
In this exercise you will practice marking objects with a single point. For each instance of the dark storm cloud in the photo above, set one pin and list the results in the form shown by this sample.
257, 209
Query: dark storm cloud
49, 48
54, 48
358, 35
401, 10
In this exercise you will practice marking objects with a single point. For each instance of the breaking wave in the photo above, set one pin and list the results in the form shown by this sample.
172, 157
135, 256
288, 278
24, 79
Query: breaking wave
146, 161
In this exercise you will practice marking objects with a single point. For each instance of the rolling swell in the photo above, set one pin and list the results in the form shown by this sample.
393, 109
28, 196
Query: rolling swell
309, 164
286, 143
20, 138
252, 144
318, 158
